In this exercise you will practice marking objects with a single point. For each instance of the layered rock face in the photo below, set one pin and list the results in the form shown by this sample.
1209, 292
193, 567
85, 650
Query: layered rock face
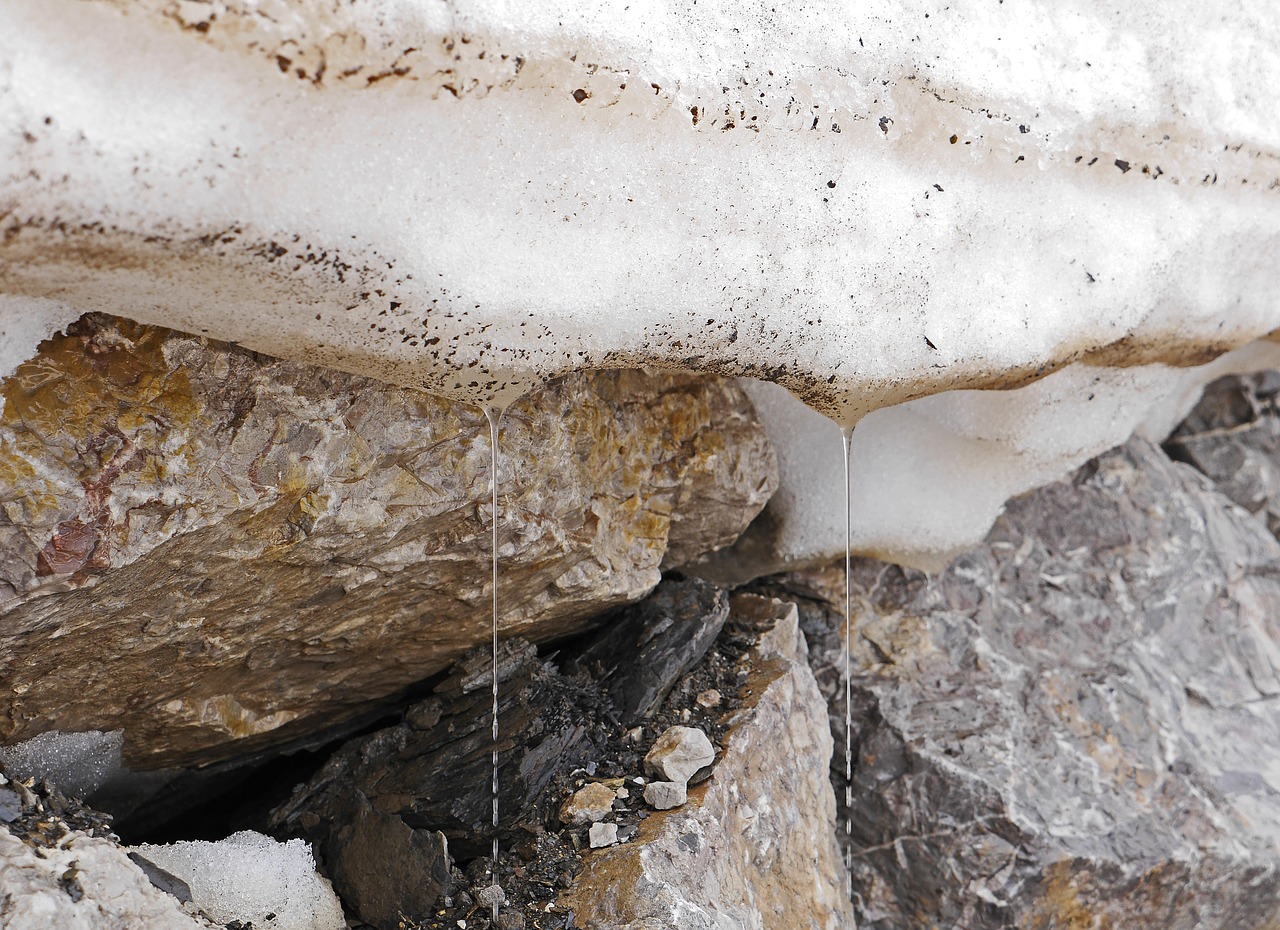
252, 550
755, 846
1074, 724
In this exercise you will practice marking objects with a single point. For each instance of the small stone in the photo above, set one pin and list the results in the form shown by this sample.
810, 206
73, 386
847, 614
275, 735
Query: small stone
511, 920
623, 794
491, 895
678, 753
634, 736
708, 699
587, 805
664, 795
603, 834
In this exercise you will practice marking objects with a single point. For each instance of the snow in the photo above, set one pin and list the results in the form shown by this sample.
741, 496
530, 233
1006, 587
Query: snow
248, 876
865, 204
411, 207
932, 475
25, 322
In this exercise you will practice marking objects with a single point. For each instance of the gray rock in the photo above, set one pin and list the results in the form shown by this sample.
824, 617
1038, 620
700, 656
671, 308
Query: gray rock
1075, 724
603, 834
664, 795
651, 644
678, 753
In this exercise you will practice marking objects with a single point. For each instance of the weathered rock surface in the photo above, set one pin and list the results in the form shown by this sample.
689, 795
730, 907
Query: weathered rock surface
252, 549
678, 753
755, 845
587, 805
1074, 725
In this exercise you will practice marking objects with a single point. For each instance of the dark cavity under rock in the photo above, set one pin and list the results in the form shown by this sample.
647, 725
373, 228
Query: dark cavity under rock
399, 795
642, 653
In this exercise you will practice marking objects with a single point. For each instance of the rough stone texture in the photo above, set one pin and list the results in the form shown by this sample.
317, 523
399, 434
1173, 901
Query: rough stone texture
250, 549
651, 644
1073, 726
430, 775
85, 883
755, 846
1233, 436
587, 805
678, 753
664, 795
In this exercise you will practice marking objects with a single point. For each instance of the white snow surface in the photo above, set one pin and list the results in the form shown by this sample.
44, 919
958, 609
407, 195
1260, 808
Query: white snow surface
248, 875
867, 204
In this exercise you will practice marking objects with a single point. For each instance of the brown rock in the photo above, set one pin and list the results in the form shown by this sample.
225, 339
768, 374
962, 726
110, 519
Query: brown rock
588, 804
755, 845
250, 549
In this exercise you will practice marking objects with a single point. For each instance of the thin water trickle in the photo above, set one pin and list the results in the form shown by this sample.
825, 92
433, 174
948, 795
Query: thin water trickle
846, 435
494, 416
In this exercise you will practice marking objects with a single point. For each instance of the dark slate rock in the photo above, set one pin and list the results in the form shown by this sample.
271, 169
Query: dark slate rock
163, 879
649, 645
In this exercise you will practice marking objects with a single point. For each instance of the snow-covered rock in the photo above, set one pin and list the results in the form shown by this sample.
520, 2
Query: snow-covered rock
867, 205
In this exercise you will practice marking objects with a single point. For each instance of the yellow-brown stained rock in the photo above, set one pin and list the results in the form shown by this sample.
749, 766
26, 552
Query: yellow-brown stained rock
220, 551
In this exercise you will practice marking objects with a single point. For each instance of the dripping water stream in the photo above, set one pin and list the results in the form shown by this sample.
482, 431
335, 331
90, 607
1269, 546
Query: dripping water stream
494, 416
846, 435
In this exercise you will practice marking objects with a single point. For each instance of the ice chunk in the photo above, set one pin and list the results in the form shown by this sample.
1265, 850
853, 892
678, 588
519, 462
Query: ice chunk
77, 764
248, 876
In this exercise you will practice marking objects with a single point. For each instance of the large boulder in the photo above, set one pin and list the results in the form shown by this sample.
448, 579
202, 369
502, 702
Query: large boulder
1075, 723
232, 552
754, 846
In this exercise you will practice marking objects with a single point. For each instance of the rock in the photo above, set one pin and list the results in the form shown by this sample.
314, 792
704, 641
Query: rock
396, 795
253, 550
1073, 725
370, 858
1233, 437
755, 846
664, 795
678, 753
708, 699
587, 805
649, 645
164, 880
83, 883
603, 834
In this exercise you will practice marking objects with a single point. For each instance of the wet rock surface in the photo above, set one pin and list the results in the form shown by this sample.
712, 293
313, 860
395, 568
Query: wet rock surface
1073, 725
255, 550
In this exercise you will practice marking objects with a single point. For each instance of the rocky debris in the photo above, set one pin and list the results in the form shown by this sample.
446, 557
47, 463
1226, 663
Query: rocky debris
755, 845
603, 834
664, 795
649, 645
42, 817
678, 754
1074, 724
195, 516
163, 879
419, 791
587, 805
